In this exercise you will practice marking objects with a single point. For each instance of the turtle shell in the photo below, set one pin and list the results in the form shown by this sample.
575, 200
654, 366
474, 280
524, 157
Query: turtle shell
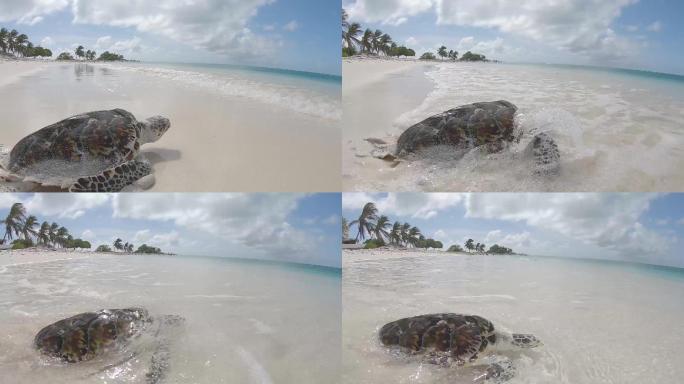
82, 145
460, 336
468, 126
86, 335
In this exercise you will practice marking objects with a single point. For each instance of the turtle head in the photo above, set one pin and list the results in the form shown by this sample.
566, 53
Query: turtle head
525, 340
153, 128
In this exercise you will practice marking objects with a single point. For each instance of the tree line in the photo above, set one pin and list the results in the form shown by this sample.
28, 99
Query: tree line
381, 231
471, 246
84, 54
355, 40
453, 55
24, 231
28, 232
18, 44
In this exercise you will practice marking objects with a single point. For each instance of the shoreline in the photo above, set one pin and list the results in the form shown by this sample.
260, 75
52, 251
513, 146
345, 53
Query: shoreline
39, 256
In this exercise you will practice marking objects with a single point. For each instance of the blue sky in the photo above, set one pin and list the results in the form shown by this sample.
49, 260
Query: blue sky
644, 34
274, 226
292, 34
635, 227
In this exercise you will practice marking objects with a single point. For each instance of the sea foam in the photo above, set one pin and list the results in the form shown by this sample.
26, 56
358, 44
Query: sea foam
300, 99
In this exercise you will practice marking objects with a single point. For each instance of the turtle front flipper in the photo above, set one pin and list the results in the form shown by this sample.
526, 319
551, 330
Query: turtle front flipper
113, 179
500, 371
545, 155
465, 342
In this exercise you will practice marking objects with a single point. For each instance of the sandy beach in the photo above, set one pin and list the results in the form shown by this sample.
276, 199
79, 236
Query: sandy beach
583, 311
599, 117
33, 256
231, 130
13, 70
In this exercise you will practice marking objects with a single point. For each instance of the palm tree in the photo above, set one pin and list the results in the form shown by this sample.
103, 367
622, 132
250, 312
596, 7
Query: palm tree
385, 43
381, 228
61, 236
365, 221
413, 236
79, 51
395, 234
11, 38
118, 244
367, 41
53, 233
29, 227
14, 221
442, 52
405, 233
3, 37
469, 244
129, 248
351, 35
44, 233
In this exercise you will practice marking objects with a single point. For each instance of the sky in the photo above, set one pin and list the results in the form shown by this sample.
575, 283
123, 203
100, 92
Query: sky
292, 34
632, 227
637, 34
274, 226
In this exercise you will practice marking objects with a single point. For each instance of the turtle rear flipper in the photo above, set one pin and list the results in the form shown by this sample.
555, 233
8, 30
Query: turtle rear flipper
159, 363
113, 179
545, 155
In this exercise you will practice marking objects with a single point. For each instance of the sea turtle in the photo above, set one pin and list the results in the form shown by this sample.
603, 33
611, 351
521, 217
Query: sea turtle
450, 338
91, 152
488, 126
92, 334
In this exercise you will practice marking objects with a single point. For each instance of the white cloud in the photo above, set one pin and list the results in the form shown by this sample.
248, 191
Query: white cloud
218, 26
142, 236
87, 235
165, 240
582, 27
269, 28
606, 220
466, 42
64, 205
103, 42
332, 220
29, 11
656, 26
418, 205
411, 41
257, 221
126, 46
511, 240
47, 42
291, 26
394, 12
632, 28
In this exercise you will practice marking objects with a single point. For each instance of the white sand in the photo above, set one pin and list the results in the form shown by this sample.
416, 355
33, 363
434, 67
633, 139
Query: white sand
218, 140
43, 256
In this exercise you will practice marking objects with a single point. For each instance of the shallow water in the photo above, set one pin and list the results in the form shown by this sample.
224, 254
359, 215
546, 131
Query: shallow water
600, 322
616, 130
245, 322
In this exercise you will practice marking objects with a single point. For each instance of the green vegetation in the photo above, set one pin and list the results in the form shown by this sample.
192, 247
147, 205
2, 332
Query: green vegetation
499, 250
24, 231
428, 56
455, 248
108, 56
28, 232
16, 44
469, 56
147, 249
355, 40
65, 56
103, 248
381, 231
453, 55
